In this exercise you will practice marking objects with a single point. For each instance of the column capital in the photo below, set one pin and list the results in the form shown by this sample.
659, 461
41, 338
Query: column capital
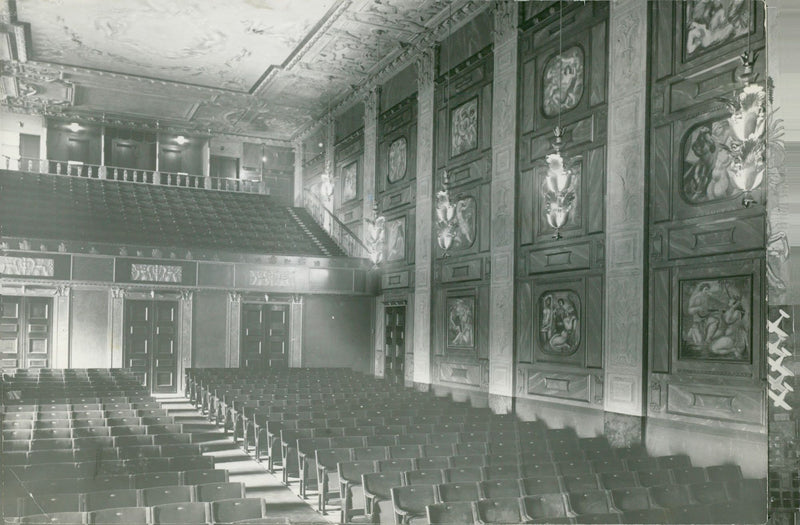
425, 69
506, 21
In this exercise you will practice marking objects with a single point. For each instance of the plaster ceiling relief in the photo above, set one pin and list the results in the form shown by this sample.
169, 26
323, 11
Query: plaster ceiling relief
189, 41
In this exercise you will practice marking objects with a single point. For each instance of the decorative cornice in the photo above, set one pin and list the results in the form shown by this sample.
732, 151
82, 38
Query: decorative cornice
462, 10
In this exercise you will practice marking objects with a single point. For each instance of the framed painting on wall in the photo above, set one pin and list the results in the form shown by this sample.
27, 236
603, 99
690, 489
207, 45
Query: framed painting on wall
349, 182
715, 321
396, 239
398, 159
464, 128
559, 313
460, 321
709, 24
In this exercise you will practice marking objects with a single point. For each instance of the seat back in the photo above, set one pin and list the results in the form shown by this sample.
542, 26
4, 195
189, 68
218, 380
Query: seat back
589, 502
500, 488
170, 494
109, 499
462, 475
450, 513
49, 503
635, 498
544, 506
539, 485
378, 485
121, 516
184, 513
200, 476
411, 500
156, 479
669, 496
216, 491
231, 510
500, 510
65, 518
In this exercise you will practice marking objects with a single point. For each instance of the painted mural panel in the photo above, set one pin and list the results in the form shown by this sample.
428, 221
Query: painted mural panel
398, 158
464, 128
396, 239
461, 322
464, 227
559, 322
349, 182
710, 23
708, 165
716, 319
563, 82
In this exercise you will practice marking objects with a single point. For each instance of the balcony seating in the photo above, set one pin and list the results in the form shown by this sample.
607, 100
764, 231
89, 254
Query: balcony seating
64, 208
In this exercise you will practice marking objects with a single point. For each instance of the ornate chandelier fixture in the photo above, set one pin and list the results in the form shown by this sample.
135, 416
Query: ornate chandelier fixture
558, 187
376, 234
445, 215
747, 123
445, 207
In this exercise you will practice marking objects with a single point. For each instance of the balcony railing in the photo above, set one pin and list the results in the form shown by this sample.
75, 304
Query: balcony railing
345, 238
135, 175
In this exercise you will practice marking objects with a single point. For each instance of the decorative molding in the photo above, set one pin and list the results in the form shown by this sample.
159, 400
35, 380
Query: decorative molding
160, 273
27, 266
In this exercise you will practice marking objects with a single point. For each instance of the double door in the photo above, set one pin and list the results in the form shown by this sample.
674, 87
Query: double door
265, 335
151, 343
395, 344
25, 332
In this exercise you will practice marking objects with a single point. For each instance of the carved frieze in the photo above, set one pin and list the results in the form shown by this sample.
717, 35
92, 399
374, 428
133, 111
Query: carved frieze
271, 278
27, 266
159, 273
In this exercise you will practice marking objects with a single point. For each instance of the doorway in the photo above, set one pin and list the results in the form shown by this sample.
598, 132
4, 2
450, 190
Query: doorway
395, 345
25, 332
150, 348
265, 335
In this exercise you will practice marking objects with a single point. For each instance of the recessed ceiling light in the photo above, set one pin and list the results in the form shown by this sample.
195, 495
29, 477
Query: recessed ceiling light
181, 140
74, 127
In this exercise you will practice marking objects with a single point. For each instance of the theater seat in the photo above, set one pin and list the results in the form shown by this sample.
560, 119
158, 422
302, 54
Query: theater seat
232, 510
49, 503
110, 499
61, 518
163, 495
502, 488
183, 513
544, 507
217, 491
451, 492
119, 516
410, 501
501, 510
450, 513
654, 516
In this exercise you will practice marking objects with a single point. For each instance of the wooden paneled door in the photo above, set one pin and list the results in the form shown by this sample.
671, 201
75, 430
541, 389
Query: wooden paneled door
395, 346
25, 331
265, 335
151, 343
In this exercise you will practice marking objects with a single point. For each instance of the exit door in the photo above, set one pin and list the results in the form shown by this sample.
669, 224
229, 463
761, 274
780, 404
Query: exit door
395, 345
151, 343
265, 335
25, 330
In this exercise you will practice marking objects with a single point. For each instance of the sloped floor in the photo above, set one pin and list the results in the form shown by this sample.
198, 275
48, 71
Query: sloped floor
284, 503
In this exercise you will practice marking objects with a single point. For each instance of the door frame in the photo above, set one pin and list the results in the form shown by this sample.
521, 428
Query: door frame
60, 356
233, 349
382, 302
184, 297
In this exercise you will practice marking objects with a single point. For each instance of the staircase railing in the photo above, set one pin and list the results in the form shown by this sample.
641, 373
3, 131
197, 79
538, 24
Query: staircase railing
136, 175
344, 237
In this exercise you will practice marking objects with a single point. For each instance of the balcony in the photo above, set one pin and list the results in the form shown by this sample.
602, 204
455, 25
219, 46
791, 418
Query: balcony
133, 175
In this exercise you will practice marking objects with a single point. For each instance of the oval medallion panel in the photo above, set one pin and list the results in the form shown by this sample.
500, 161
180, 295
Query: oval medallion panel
563, 82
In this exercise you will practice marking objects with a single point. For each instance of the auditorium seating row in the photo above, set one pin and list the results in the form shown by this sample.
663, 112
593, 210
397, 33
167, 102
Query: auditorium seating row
78, 209
400, 456
93, 457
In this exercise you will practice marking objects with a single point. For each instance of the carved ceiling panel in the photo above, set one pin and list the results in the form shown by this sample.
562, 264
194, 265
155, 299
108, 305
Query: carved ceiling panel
266, 68
202, 42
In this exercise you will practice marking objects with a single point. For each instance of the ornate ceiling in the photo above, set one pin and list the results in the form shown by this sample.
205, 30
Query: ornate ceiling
261, 68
